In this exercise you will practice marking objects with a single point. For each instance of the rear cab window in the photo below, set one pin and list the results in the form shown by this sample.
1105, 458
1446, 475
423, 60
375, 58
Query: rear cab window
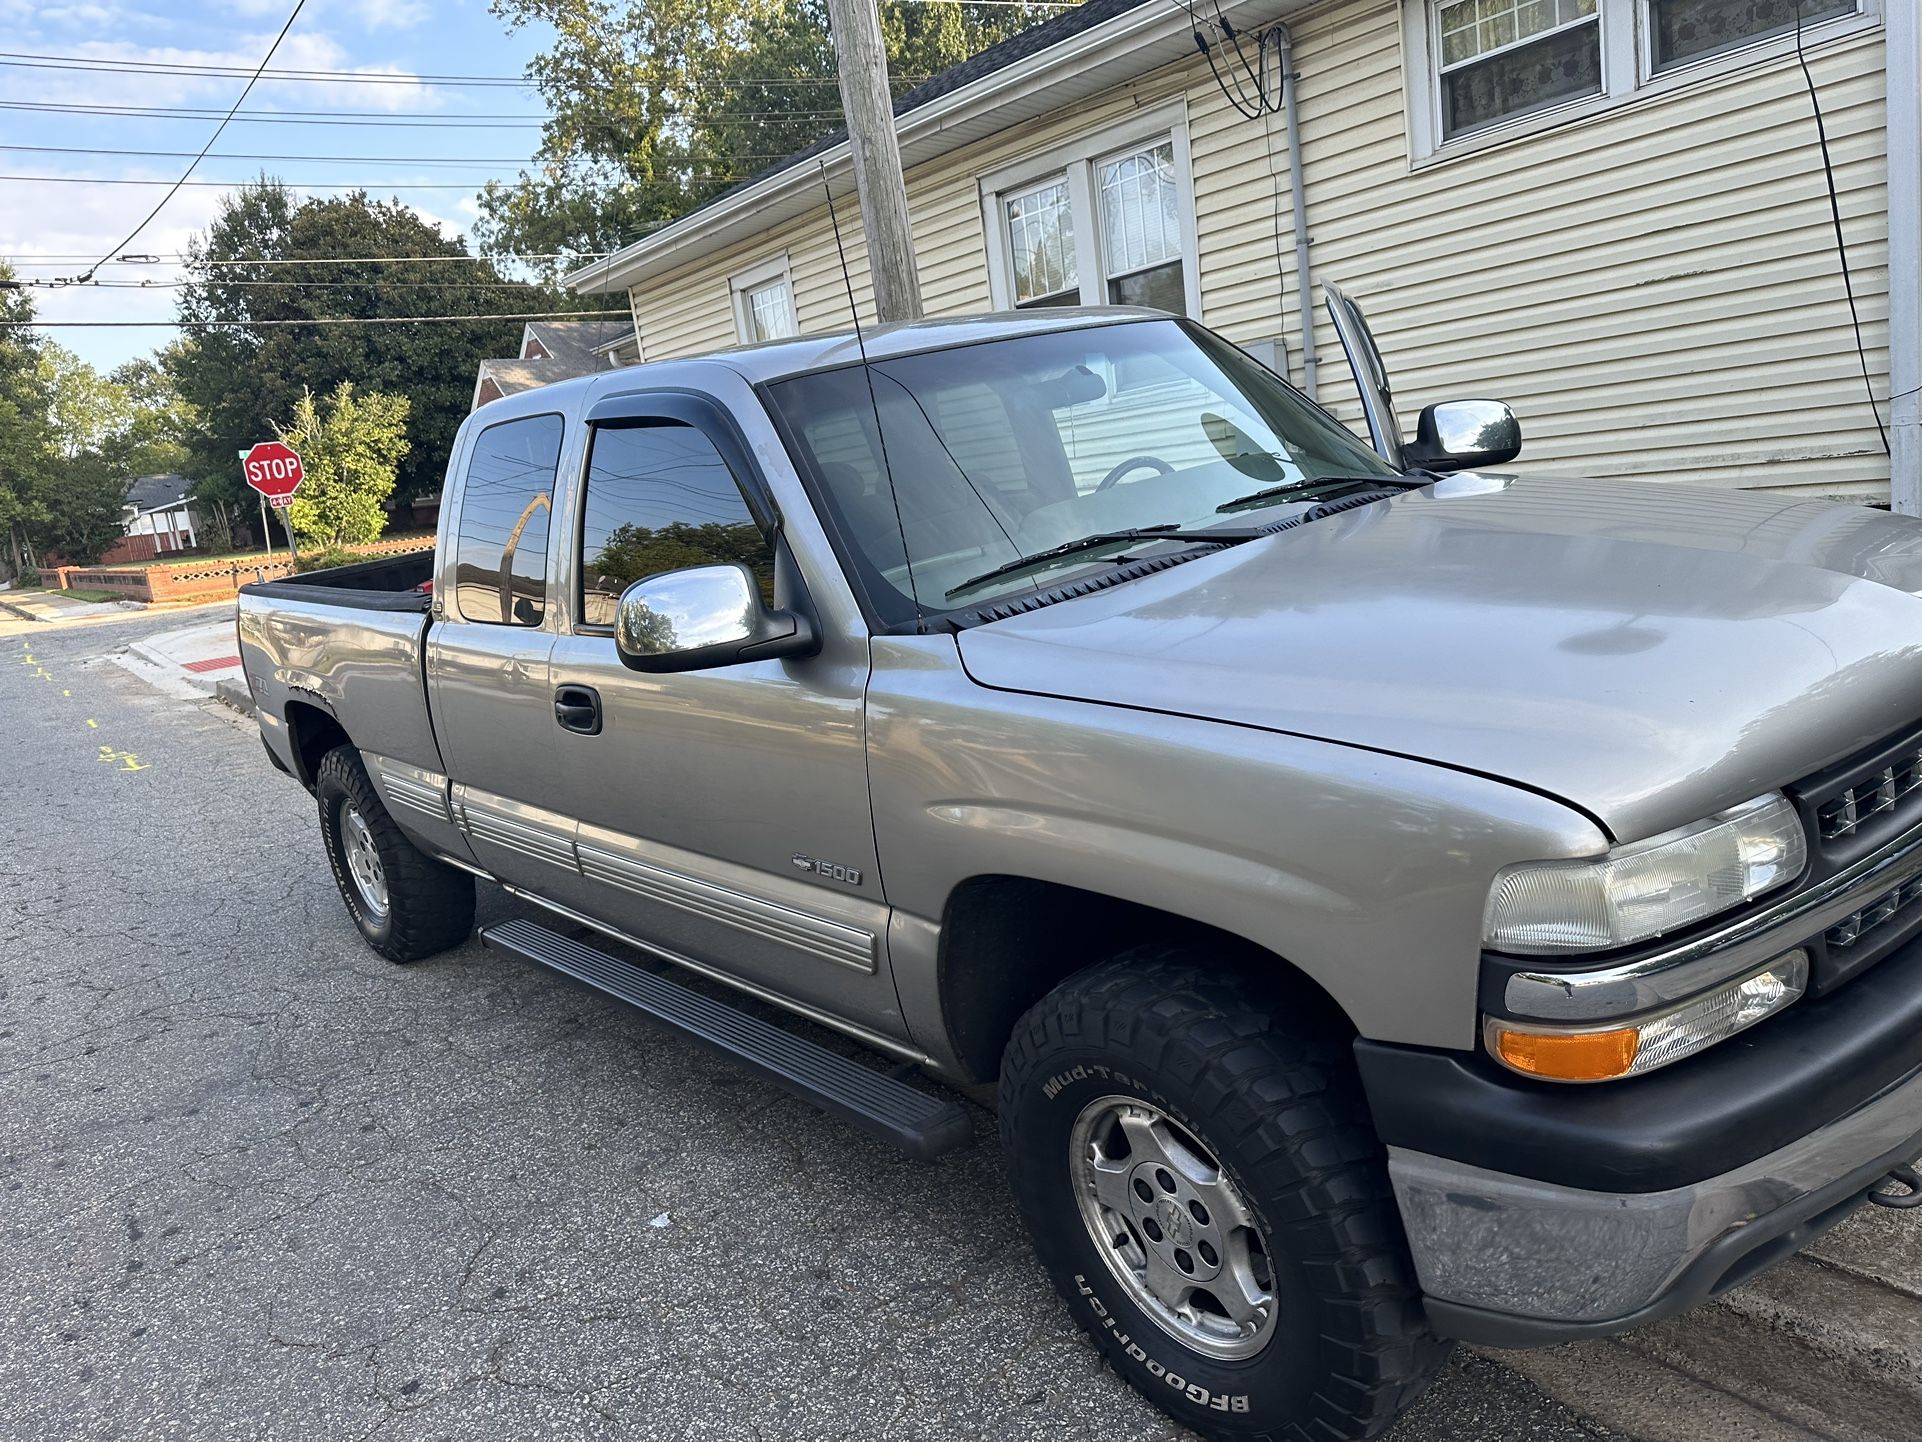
506, 505
660, 497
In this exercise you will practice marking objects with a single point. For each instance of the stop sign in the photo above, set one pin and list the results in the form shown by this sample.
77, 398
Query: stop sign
272, 469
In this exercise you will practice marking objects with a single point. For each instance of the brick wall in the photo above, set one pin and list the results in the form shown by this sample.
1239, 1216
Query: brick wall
192, 581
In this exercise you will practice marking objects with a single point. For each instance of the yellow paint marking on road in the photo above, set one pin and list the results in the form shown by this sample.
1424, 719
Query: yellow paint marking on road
130, 762
66, 693
93, 723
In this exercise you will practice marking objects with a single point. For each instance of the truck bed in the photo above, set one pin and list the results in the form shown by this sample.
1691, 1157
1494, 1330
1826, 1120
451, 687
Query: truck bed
389, 583
345, 644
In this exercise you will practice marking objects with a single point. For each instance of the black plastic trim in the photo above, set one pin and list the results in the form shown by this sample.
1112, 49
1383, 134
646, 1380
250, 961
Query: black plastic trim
884, 1106
1739, 1100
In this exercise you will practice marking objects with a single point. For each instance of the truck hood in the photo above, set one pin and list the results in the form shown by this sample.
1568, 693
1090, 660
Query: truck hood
1648, 653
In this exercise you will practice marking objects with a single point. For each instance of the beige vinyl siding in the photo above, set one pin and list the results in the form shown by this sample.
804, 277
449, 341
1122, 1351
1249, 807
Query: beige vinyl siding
1654, 289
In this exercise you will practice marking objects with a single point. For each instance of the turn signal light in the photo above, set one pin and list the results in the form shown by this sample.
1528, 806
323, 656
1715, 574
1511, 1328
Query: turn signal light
1580, 1056
1575, 1054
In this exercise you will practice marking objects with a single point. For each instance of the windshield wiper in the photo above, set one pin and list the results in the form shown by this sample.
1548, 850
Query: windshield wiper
1305, 488
1169, 532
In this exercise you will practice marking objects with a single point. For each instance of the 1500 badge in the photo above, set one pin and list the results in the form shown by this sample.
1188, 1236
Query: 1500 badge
832, 870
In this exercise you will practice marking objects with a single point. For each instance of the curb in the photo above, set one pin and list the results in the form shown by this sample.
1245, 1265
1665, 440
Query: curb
9, 607
234, 693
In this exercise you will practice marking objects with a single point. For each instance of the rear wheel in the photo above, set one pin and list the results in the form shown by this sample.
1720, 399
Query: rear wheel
406, 903
1198, 1169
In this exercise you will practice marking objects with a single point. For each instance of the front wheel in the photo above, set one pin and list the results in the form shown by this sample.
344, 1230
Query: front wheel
1203, 1184
406, 903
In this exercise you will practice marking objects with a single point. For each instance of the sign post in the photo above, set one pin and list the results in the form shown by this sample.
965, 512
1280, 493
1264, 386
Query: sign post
274, 471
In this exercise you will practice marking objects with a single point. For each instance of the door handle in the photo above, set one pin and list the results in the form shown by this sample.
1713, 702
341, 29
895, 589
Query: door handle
578, 709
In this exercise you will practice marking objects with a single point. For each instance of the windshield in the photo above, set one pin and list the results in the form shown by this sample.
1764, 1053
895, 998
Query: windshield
1010, 448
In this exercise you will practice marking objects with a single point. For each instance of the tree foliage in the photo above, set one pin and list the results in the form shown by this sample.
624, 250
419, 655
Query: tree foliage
239, 372
658, 106
350, 446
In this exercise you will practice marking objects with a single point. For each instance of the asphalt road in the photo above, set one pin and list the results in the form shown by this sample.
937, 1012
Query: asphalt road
256, 1182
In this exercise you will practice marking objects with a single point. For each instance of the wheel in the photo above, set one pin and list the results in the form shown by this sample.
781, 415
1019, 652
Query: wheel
407, 904
1205, 1188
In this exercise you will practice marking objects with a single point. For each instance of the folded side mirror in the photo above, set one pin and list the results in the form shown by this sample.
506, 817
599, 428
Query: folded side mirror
704, 617
1460, 435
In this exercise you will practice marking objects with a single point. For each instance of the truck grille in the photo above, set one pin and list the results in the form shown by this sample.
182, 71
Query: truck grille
1898, 902
1842, 815
1863, 803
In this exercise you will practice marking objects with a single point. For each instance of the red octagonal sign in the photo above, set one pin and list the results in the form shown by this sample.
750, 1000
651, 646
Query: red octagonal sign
272, 469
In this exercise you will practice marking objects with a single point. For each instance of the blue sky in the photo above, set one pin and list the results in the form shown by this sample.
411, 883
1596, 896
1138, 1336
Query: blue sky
401, 39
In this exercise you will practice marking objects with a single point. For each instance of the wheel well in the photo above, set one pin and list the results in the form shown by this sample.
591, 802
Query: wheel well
1007, 941
313, 733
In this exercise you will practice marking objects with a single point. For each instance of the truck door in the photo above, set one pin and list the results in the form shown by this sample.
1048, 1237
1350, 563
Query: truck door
488, 654
1371, 376
724, 813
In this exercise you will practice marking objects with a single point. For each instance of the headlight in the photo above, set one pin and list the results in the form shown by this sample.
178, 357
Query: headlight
1629, 1048
1651, 887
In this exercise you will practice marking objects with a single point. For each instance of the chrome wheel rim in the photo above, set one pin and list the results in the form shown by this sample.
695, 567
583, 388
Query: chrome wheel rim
1172, 1227
363, 860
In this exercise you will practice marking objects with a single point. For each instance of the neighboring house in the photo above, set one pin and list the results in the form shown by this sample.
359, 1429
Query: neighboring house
158, 508
556, 350
1610, 213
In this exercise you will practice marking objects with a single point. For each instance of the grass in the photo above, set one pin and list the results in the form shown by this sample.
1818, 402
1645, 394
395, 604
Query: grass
83, 594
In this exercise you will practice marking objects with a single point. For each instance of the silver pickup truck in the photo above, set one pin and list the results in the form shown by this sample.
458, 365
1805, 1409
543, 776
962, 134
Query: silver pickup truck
1387, 901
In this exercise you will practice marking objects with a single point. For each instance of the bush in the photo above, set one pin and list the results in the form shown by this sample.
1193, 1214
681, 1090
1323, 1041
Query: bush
325, 559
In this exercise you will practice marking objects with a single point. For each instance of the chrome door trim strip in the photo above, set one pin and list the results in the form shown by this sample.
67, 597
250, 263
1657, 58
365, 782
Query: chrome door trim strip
860, 1033
799, 930
413, 787
1681, 971
485, 823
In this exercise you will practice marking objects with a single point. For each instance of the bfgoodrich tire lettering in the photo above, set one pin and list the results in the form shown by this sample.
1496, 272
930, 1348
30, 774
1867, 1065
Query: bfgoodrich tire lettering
406, 904
1278, 1108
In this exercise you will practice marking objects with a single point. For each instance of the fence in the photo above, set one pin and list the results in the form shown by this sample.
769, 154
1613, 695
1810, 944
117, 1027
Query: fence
198, 581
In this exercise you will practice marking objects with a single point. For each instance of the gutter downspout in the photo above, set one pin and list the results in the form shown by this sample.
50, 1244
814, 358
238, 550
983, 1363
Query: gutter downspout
1903, 36
1298, 205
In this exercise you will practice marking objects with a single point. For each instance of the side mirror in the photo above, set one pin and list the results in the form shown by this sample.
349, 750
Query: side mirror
704, 617
1460, 435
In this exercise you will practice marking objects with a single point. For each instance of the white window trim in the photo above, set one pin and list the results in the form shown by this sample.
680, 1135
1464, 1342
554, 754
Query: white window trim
753, 278
1628, 76
1077, 159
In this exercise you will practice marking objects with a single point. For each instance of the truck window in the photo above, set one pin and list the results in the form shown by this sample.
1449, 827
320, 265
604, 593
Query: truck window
500, 550
659, 498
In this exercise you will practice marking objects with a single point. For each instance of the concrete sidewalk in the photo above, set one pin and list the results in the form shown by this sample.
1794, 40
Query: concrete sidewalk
193, 661
55, 606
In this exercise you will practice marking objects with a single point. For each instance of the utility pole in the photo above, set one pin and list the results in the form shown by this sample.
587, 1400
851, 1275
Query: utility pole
863, 62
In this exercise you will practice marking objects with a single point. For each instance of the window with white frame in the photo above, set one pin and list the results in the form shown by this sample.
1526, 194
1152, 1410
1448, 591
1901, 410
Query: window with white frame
764, 302
1108, 220
1477, 66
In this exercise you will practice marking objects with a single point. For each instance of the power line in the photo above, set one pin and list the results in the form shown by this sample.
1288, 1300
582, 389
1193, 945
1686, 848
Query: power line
407, 120
318, 320
390, 183
180, 258
25, 60
488, 161
246, 90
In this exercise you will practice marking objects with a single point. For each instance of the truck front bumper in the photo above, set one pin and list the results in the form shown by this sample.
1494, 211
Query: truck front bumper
1508, 1261
1541, 1213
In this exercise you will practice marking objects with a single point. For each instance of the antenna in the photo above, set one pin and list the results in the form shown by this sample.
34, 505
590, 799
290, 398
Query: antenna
867, 373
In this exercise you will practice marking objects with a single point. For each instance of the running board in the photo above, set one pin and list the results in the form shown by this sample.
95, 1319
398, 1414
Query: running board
923, 1126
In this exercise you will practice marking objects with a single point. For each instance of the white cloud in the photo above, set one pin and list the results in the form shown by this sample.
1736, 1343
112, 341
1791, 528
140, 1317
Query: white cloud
390, 88
390, 14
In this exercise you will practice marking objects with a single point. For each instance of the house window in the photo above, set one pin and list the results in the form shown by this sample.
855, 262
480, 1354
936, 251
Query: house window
1502, 58
1107, 220
1041, 246
1684, 30
764, 302
1480, 70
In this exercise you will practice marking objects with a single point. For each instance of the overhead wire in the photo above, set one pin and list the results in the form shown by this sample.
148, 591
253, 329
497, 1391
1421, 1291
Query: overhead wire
245, 91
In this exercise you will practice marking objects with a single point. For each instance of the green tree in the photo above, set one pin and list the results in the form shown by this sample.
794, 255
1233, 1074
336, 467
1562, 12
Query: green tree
660, 105
350, 446
86, 496
25, 430
246, 357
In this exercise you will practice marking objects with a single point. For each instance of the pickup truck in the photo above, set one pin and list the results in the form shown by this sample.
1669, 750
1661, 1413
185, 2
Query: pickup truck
1387, 900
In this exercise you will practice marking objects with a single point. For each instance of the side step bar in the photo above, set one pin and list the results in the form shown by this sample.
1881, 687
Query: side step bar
920, 1125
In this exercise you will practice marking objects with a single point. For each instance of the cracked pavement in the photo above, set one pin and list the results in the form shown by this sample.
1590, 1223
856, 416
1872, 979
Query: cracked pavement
256, 1182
